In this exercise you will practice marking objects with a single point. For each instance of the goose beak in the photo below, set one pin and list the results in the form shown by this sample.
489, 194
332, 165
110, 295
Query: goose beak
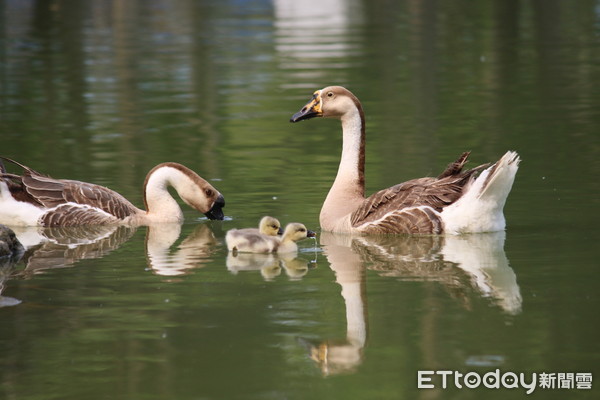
280, 232
312, 109
216, 211
310, 233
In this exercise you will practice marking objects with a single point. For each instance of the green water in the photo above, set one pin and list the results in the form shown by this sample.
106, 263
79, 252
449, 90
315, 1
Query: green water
102, 91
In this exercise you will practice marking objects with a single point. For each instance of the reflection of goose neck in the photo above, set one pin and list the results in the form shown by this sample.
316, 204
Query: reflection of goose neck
159, 239
350, 275
356, 312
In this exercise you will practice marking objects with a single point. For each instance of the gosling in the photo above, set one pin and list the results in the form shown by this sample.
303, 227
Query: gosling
261, 243
267, 226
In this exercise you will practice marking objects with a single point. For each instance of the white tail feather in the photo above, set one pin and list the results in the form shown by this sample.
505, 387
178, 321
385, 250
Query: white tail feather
480, 207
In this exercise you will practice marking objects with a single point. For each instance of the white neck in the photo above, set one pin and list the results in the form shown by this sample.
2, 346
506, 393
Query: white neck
347, 191
162, 207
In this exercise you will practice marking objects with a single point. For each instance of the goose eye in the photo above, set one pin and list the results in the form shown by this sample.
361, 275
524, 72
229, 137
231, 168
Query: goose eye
329, 94
208, 192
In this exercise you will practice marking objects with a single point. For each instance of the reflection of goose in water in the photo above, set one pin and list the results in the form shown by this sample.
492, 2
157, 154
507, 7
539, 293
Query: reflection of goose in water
457, 262
6, 271
60, 247
482, 257
345, 354
11, 251
193, 251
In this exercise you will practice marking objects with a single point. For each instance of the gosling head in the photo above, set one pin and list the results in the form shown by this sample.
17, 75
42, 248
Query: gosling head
329, 102
296, 231
270, 226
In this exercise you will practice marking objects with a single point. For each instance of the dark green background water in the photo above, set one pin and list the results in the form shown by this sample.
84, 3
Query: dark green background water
102, 91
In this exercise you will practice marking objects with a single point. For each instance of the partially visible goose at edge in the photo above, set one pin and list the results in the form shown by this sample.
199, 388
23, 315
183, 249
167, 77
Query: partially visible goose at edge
34, 199
455, 202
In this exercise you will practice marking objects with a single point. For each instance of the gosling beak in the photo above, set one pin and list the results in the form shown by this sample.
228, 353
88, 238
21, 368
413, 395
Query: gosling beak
312, 109
310, 233
216, 211
280, 231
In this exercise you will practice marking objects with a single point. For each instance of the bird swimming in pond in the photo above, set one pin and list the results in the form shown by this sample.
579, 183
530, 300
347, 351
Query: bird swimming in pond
34, 199
261, 243
268, 226
455, 202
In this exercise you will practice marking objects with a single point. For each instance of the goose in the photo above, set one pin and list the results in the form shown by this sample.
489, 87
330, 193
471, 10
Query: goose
260, 243
33, 199
455, 202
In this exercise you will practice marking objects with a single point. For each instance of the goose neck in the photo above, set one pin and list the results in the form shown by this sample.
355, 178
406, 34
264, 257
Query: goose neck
160, 205
351, 171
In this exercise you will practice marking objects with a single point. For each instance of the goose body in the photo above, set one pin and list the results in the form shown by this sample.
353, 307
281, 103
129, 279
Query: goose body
34, 199
261, 243
455, 202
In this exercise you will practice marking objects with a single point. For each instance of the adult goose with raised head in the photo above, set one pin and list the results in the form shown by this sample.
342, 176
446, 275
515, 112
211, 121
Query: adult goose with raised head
455, 202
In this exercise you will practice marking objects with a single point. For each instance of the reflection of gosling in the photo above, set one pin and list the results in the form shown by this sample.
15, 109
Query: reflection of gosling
270, 272
335, 357
267, 263
259, 243
295, 268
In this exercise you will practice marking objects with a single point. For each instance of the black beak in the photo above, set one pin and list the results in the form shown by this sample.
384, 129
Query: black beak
280, 231
216, 212
310, 110
310, 233
305, 113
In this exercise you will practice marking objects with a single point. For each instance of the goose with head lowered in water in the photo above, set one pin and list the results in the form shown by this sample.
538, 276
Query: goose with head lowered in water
455, 202
34, 199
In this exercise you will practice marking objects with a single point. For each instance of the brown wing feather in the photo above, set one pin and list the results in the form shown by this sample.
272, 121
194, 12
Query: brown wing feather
388, 207
42, 190
455, 167
76, 215
411, 220
98, 196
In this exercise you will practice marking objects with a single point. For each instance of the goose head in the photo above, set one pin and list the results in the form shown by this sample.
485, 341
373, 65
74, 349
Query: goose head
202, 196
270, 226
195, 191
296, 231
329, 102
